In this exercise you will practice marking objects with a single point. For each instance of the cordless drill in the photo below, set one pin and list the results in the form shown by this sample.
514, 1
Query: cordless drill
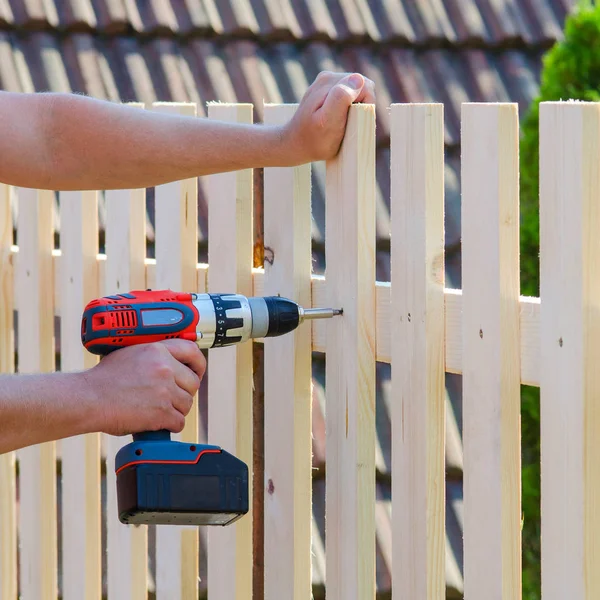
160, 481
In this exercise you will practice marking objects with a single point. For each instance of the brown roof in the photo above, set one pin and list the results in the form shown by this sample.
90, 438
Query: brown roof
449, 51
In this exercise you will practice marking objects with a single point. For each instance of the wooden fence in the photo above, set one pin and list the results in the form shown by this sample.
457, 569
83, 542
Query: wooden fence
487, 332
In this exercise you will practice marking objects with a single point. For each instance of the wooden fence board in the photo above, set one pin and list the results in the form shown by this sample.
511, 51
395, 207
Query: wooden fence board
350, 371
177, 548
8, 489
230, 252
491, 390
37, 464
417, 344
81, 516
127, 545
570, 348
287, 381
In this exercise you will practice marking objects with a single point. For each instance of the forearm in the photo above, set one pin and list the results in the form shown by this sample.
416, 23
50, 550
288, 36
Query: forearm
38, 408
93, 144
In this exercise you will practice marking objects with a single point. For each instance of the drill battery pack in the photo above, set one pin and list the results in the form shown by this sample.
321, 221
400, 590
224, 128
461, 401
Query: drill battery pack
165, 482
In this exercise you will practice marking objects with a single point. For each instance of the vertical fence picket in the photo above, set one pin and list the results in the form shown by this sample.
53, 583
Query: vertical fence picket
37, 464
287, 381
570, 348
350, 370
177, 548
127, 545
491, 351
8, 490
81, 555
230, 256
417, 334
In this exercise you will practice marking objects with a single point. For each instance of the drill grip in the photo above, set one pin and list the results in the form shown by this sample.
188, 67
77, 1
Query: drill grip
162, 435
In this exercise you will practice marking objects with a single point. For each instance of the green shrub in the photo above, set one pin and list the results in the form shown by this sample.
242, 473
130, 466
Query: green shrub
570, 70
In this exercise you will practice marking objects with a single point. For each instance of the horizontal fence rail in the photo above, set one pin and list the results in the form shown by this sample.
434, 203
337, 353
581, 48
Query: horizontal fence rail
59, 532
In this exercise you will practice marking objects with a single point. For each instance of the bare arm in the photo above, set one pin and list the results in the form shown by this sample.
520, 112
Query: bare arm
65, 141
141, 388
39, 408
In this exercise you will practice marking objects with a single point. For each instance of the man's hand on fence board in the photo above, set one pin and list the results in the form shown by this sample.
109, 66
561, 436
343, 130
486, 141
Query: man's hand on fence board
318, 127
72, 142
141, 388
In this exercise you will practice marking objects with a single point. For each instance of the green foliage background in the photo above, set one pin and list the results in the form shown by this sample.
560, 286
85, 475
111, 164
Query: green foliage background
571, 71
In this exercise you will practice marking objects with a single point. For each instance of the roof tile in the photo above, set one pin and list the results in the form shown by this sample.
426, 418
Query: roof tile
469, 26
238, 17
210, 71
34, 14
9, 73
112, 16
350, 26
164, 56
506, 22
81, 61
434, 20
314, 20
76, 15
6, 14
197, 17
428, 22
276, 19
157, 16
482, 74
520, 74
392, 21
43, 57
545, 19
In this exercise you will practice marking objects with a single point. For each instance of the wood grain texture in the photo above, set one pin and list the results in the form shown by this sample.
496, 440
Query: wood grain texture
417, 345
176, 205
570, 348
529, 335
81, 510
127, 545
37, 464
490, 327
8, 489
287, 381
350, 371
230, 252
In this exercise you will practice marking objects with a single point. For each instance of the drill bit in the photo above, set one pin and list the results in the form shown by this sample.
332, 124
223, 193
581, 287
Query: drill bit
319, 313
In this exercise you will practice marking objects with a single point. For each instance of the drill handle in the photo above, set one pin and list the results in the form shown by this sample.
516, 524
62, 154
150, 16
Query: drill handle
162, 435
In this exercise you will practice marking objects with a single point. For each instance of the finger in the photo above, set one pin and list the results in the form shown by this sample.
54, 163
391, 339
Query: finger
182, 402
188, 353
176, 422
341, 96
367, 94
187, 379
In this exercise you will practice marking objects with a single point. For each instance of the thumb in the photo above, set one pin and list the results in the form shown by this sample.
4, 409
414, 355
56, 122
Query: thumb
341, 96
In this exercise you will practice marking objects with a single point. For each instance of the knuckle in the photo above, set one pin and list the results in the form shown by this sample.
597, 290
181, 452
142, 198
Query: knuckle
197, 381
162, 370
324, 76
187, 404
164, 401
178, 423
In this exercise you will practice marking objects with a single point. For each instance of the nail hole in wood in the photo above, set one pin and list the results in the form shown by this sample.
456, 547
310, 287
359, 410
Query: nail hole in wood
269, 255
